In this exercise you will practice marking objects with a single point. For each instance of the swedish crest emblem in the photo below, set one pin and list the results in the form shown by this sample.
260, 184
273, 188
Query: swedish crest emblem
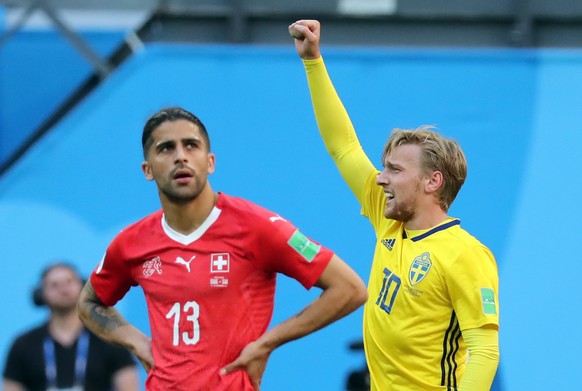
419, 268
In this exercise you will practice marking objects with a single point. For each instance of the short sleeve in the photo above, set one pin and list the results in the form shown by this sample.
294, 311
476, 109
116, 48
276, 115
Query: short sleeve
473, 285
285, 249
112, 278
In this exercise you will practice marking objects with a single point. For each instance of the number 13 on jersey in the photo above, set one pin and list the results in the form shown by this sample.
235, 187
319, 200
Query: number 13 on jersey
191, 333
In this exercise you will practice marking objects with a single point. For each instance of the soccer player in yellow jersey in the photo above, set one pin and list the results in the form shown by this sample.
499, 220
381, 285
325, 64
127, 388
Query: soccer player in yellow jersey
431, 320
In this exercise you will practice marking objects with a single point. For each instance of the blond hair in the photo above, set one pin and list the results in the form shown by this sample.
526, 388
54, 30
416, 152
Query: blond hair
437, 154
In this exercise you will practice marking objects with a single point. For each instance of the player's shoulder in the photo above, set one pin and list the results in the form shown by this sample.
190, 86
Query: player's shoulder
463, 236
146, 224
466, 243
243, 208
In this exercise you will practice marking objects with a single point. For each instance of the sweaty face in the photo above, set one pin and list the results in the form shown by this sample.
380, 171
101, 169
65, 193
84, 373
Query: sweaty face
402, 181
61, 289
179, 161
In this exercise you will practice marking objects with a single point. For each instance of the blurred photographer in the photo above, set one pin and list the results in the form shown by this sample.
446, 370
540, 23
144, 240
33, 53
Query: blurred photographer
61, 354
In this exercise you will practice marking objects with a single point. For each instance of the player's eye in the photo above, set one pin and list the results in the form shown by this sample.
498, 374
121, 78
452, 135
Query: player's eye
165, 147
192, 144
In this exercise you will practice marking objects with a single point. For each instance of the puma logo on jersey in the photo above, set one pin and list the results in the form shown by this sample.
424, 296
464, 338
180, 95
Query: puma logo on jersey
182, 261
389, 243
275, 218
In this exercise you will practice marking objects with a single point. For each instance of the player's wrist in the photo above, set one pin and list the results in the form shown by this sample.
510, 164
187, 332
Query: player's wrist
267, 343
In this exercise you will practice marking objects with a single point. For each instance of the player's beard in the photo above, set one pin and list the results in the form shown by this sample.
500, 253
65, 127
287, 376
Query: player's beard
399, 212
183, 194
402, 210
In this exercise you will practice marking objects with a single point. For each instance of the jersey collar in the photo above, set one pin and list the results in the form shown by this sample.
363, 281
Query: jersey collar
431, 231
196, 234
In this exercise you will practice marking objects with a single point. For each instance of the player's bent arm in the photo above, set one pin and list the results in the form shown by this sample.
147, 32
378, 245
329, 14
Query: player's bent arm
483, 346
343, 292
126, 379
11, 385
108, 324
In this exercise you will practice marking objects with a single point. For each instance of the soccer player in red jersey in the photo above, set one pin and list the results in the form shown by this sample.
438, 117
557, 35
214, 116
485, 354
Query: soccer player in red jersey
207, 263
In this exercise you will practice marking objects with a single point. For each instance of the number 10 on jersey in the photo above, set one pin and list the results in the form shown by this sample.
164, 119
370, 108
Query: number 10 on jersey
390, 288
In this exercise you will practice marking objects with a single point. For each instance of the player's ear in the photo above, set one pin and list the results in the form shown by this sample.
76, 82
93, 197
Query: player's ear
147, 170
211, 162
434, 181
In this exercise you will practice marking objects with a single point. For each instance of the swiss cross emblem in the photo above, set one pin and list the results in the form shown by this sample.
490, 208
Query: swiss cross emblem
220, 263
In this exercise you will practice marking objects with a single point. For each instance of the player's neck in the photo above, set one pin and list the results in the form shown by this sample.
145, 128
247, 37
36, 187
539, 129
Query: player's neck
186, 218
426, 220
65, 328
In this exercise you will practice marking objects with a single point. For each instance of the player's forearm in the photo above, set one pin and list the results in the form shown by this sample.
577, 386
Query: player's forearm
106, 322
332, 118
329, 307
343, 293
336, 128
483, 348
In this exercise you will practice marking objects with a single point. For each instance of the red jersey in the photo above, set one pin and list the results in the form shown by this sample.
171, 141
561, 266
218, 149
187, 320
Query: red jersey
209, 293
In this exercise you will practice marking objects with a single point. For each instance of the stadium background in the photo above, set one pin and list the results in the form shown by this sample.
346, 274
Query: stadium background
68, 188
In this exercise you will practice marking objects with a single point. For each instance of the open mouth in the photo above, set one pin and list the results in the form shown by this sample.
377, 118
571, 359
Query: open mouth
389, 197
183, 175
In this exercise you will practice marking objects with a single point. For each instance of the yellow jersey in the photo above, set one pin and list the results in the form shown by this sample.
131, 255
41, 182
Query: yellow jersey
425, 287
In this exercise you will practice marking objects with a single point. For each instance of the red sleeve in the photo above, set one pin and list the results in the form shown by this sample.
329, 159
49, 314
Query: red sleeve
284, 249
112, 278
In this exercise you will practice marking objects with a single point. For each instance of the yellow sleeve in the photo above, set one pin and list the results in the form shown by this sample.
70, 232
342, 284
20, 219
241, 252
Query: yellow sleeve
336, 128
483, 346
472, 281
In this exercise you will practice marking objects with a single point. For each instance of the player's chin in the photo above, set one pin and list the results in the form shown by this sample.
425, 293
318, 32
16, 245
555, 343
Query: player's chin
391, 214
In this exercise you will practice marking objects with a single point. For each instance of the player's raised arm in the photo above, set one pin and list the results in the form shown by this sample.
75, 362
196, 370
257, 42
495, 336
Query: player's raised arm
332, 118
107, 323
343, 292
